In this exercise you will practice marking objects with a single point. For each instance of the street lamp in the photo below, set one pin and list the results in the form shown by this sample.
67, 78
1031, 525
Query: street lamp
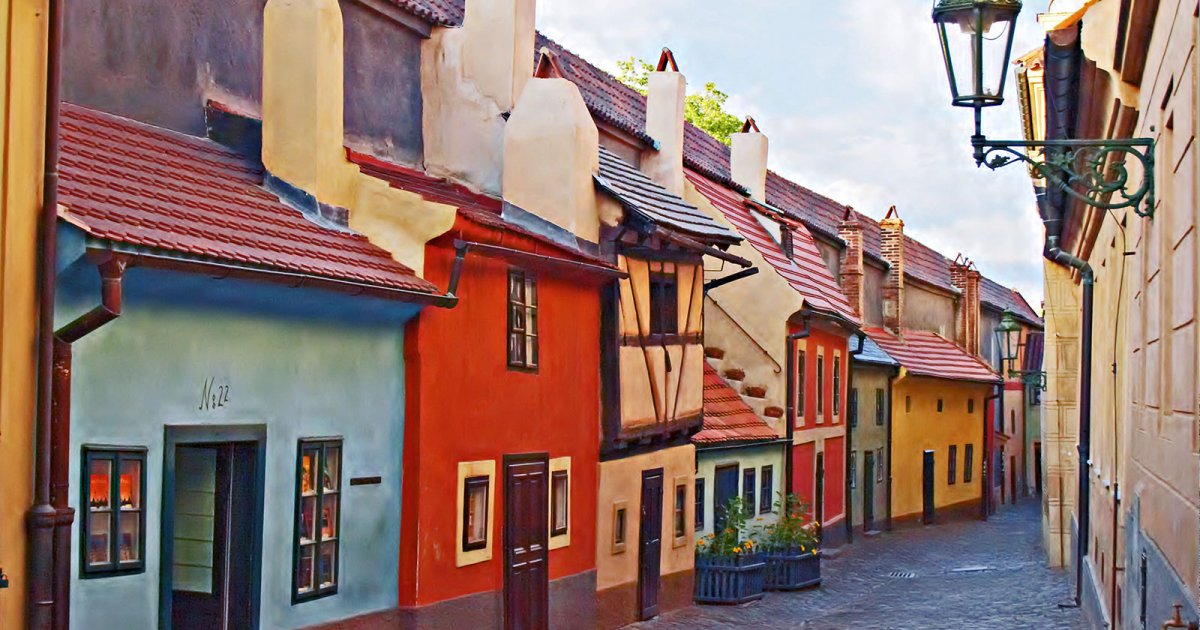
1008, 343
977, 39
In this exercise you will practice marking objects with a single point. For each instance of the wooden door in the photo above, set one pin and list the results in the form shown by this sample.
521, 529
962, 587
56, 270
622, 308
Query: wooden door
526, 520
927, 488
819, 495
726, 488
214, 499
1037, 468
650, 543
868, 493
1012, 477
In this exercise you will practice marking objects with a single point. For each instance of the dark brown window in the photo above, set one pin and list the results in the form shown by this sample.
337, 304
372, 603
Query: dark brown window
853, 410
318, 519
522, 320
749, 487
837, 386
559, 502
475, 512
908, 404
699, 503
766, 493
952, 468
820, 387
680, 511
801, 385
880, 408
970, 405
619, 528
114, 521
939, 405
852, 468
968, 462
664, 304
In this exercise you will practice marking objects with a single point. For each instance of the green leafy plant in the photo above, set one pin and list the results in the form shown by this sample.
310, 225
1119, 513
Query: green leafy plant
793, 530
704, 109
734, 538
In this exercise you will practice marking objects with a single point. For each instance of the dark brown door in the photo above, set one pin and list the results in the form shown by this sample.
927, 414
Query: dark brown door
927, 488
650, 543
1012, 478
214, 498
868, 491
526, 574
1037, 467
726, 489
819, 494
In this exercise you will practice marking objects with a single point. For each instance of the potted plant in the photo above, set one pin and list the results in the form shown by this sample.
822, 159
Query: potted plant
789, 548
729, 568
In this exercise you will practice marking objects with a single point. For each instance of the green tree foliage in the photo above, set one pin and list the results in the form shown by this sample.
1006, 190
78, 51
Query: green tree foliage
705, 109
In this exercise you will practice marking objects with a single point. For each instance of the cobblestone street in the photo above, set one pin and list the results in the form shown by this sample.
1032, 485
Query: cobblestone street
958, 575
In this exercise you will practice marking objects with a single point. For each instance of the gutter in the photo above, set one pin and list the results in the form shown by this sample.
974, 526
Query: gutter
43, 608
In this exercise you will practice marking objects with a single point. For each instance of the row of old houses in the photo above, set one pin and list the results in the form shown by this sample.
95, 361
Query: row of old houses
378, 313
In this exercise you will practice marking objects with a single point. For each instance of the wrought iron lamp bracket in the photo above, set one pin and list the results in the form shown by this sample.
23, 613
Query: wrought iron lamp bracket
1092, 171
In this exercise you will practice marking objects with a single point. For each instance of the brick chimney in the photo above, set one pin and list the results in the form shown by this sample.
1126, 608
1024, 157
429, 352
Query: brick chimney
958, 278
850, 231
892, 228
551, 152
748, 160
666, 89
966, 279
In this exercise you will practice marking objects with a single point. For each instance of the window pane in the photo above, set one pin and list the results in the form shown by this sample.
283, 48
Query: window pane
308, 471
559, 502
516, 348
531, 350
749, 486
332, 470
100, 484
699, 504
518, 318
128, 543
767, 493
801, 386
680, 511
308, 519
476, 507
131, 484
99, 532
326, 563
516, 286
619, 526
329, 520
304, 578
531, 291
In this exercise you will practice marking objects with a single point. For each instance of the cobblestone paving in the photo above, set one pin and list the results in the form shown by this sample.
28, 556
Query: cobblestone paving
968, 575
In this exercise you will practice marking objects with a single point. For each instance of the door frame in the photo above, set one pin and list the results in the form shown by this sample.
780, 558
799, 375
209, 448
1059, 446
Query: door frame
522, 458
183, 435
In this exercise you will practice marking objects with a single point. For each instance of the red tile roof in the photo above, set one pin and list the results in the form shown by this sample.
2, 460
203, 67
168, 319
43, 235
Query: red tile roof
135, 184
472, 206
727, 418
805, 271
439, 12
1003, 298
927, 354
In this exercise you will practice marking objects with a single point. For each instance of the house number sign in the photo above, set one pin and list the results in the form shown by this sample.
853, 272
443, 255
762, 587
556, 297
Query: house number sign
213, 395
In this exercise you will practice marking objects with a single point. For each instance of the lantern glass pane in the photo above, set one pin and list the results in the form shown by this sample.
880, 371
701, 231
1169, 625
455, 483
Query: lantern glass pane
996, 45
958, 49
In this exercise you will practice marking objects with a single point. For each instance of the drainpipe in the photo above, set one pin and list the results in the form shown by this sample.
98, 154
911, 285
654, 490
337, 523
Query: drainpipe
985, 477
790, 419
41, 518
850, 433
890, 416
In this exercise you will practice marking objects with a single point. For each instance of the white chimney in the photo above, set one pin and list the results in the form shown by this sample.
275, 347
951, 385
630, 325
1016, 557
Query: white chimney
665, 94
748, 160
498, 48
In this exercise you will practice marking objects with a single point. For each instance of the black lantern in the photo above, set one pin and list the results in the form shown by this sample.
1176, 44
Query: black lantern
977, 40
1009, 337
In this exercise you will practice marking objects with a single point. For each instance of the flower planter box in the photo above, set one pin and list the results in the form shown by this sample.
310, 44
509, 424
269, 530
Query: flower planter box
729, 579
791, 570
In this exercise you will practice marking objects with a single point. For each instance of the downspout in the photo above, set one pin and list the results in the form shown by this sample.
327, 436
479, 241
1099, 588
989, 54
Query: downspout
985, 476
850, 433
790, 416
890, 416
41, 606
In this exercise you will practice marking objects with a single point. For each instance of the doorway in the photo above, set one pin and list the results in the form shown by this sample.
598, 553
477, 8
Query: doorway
650, 543
211, 528
1012, 478
868, 494
819, 494
526, 571
927, 472
726, 488
1037, 468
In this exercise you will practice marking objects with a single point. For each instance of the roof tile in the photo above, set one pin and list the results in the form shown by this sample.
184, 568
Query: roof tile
727, 418
924, 353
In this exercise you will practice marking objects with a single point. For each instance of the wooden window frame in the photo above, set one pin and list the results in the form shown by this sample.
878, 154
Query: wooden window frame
879, 465
472, 483
750, 488
852, 408
766, 489
679, 502
558, 538
952, 465
620, 523
880, 406
663, 288
852, 469
555, 476
837, 386
968, 462
820, 387
801, 383
322, 446
527, 302
116, 455
699, 509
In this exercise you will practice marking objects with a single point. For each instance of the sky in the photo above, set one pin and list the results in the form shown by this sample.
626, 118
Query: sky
853, 98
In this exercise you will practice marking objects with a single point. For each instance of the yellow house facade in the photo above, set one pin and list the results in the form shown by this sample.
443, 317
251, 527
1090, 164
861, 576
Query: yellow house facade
23, 34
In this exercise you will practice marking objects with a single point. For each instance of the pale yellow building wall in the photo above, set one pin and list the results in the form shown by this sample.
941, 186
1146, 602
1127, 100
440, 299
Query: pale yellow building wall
744, 352
1060, 412
22, 94
621, 483
756, 457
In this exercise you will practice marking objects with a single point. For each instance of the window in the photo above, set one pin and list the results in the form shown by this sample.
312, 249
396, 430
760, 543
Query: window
1012, 427
786, 242
879, 466
766, 493
699, 503
801, 385
664, 304
618, 527
970, 405
853, 469
853, 408
880, 403
968, 462
522, 320
315, 555
475, 513
820, 387
749, 486
680, 511
908, 404
939, 405
112, 540
952, 465
837, 385
559, 502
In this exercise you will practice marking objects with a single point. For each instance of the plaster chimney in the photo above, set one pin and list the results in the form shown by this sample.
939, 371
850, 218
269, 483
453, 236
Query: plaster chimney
552, 152
498, 48
666, 90
850, 231
892, 228
748, 160
303, 141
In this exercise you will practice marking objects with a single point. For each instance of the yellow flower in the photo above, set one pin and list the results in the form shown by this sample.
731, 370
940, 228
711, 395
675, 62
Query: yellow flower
737, 550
